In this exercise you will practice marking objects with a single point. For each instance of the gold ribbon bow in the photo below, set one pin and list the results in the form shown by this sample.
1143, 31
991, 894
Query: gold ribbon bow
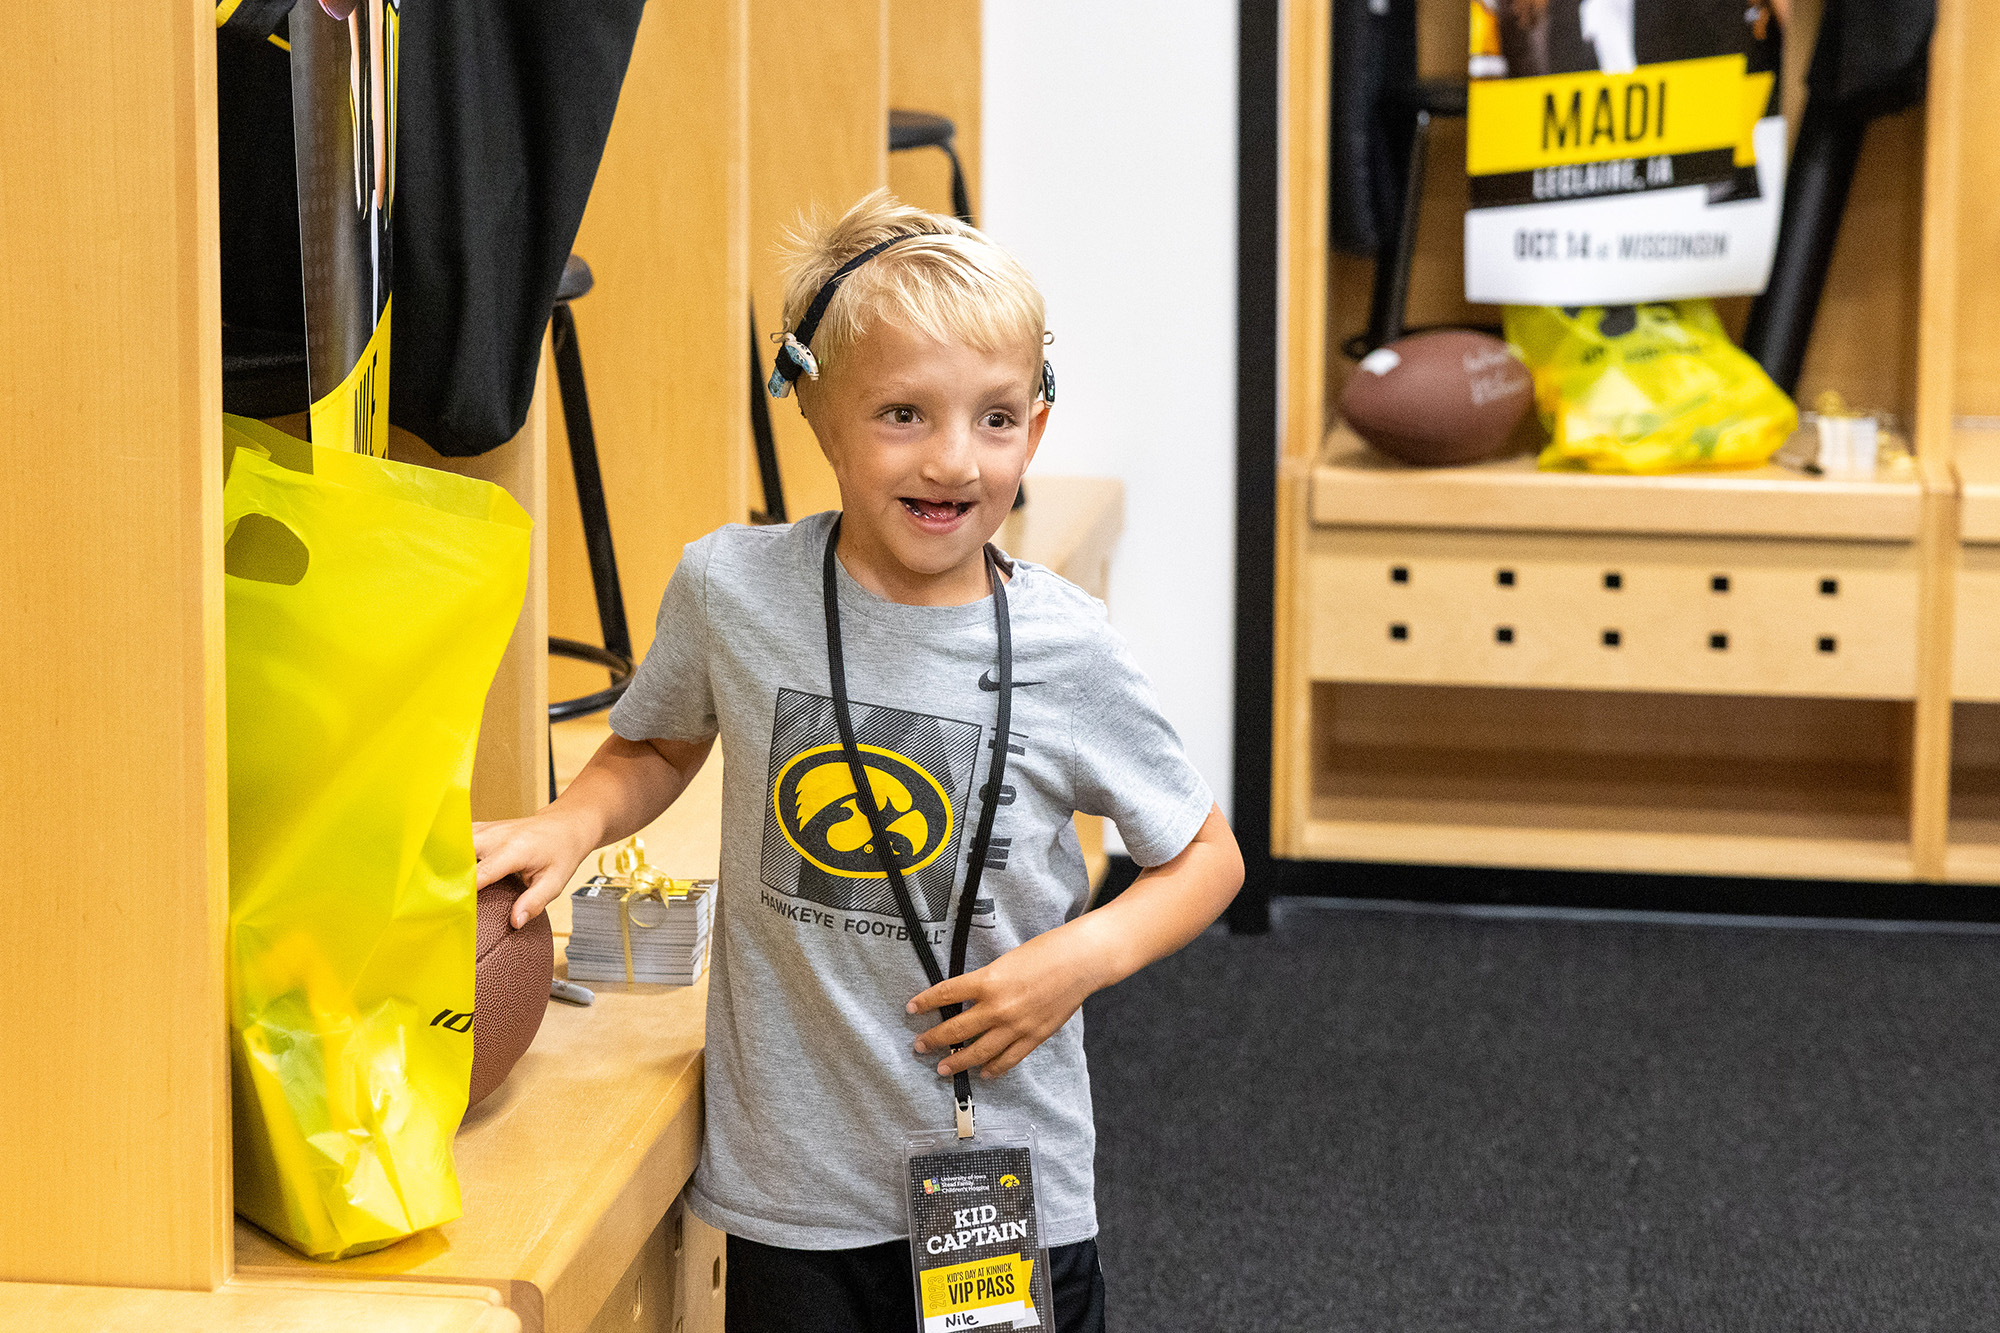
631, 872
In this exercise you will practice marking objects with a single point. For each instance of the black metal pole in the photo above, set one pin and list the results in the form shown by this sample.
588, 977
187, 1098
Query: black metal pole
1256, 451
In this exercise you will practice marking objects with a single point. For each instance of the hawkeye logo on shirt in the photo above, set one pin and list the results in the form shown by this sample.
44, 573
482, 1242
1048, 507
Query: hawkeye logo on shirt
818, 846
818, 809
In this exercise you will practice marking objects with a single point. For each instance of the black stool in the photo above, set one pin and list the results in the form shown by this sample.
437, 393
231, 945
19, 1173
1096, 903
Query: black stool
616, 654
921, 129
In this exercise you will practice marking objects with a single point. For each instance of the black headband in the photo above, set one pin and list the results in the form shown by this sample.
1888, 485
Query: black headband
795, 356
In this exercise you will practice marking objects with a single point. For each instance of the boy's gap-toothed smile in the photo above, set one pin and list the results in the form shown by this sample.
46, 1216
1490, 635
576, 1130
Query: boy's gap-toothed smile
935, 509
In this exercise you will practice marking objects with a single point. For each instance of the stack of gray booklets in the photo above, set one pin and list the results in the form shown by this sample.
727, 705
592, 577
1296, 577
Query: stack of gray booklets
669, 942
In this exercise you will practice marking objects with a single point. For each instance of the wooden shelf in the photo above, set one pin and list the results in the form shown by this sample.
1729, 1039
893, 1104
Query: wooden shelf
1976, 631
1354, 486
1977, 456
1069, 524
253, 1305
565, 1170
1552, 810
1604, 780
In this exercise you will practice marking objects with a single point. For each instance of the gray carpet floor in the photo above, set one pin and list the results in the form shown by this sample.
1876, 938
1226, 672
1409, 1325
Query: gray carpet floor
1429, 1120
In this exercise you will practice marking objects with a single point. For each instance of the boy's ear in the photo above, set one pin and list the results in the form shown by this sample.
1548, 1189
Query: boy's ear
1037, 423
806, 396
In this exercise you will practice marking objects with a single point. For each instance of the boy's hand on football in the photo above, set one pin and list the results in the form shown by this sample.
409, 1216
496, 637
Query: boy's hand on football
1014, 1003
543, 849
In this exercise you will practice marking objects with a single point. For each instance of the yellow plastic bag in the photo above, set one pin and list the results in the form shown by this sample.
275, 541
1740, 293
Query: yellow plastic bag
367, 604
1650, 388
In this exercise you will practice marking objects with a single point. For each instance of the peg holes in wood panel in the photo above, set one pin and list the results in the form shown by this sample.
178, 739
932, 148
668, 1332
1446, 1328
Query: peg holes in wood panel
1642, 614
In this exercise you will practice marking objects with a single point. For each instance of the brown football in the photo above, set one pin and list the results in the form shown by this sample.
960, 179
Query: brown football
1437, 399
512, 970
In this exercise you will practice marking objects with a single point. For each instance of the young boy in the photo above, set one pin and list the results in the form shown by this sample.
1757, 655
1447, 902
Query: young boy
924, 382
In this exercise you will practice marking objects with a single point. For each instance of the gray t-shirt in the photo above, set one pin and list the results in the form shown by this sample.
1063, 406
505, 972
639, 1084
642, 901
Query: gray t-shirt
811, 1082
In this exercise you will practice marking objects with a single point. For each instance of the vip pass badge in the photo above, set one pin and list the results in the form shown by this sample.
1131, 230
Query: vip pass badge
976, 1247
639, 880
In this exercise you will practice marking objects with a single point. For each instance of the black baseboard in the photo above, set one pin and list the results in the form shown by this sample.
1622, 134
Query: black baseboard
1595, 890
1584, 890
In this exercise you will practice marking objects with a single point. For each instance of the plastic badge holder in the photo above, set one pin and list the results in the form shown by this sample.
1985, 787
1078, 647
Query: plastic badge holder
976, 1230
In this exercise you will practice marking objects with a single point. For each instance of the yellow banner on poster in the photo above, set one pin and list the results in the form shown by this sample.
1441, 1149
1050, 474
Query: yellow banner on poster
1679, 106
355, 416
1756, 101
976, 1285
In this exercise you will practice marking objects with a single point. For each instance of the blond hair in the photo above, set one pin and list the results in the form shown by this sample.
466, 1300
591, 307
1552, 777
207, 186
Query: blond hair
949, 283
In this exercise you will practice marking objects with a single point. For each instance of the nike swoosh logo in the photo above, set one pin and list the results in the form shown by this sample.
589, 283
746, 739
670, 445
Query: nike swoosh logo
992, 686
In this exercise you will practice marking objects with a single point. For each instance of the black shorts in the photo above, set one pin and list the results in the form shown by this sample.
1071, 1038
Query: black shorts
869, 1290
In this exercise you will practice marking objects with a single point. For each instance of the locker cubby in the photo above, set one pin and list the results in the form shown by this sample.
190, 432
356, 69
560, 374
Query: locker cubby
1973, 846
1708, 673
1975, 791
1733, 601
1609, 780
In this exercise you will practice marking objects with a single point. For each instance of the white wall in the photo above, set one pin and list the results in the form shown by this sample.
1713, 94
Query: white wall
1110, 170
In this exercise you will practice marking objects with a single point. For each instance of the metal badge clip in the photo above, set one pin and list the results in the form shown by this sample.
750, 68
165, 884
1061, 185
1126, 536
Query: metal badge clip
965, 1119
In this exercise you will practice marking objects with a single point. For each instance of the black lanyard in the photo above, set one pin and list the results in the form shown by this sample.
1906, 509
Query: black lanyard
864, 795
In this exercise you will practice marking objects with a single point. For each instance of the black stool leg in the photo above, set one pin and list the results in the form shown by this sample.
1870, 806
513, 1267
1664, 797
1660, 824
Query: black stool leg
961, 203
589, 498
589, 486
760, 431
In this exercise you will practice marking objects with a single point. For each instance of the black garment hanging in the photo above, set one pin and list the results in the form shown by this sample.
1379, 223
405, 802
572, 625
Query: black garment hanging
502, 111
864, 794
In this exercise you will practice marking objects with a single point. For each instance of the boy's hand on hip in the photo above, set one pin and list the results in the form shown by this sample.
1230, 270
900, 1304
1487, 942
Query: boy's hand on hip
1016, 1002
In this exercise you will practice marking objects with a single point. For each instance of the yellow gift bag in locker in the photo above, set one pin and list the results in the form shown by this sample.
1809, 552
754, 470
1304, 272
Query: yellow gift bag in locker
1648, 388
367, 603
